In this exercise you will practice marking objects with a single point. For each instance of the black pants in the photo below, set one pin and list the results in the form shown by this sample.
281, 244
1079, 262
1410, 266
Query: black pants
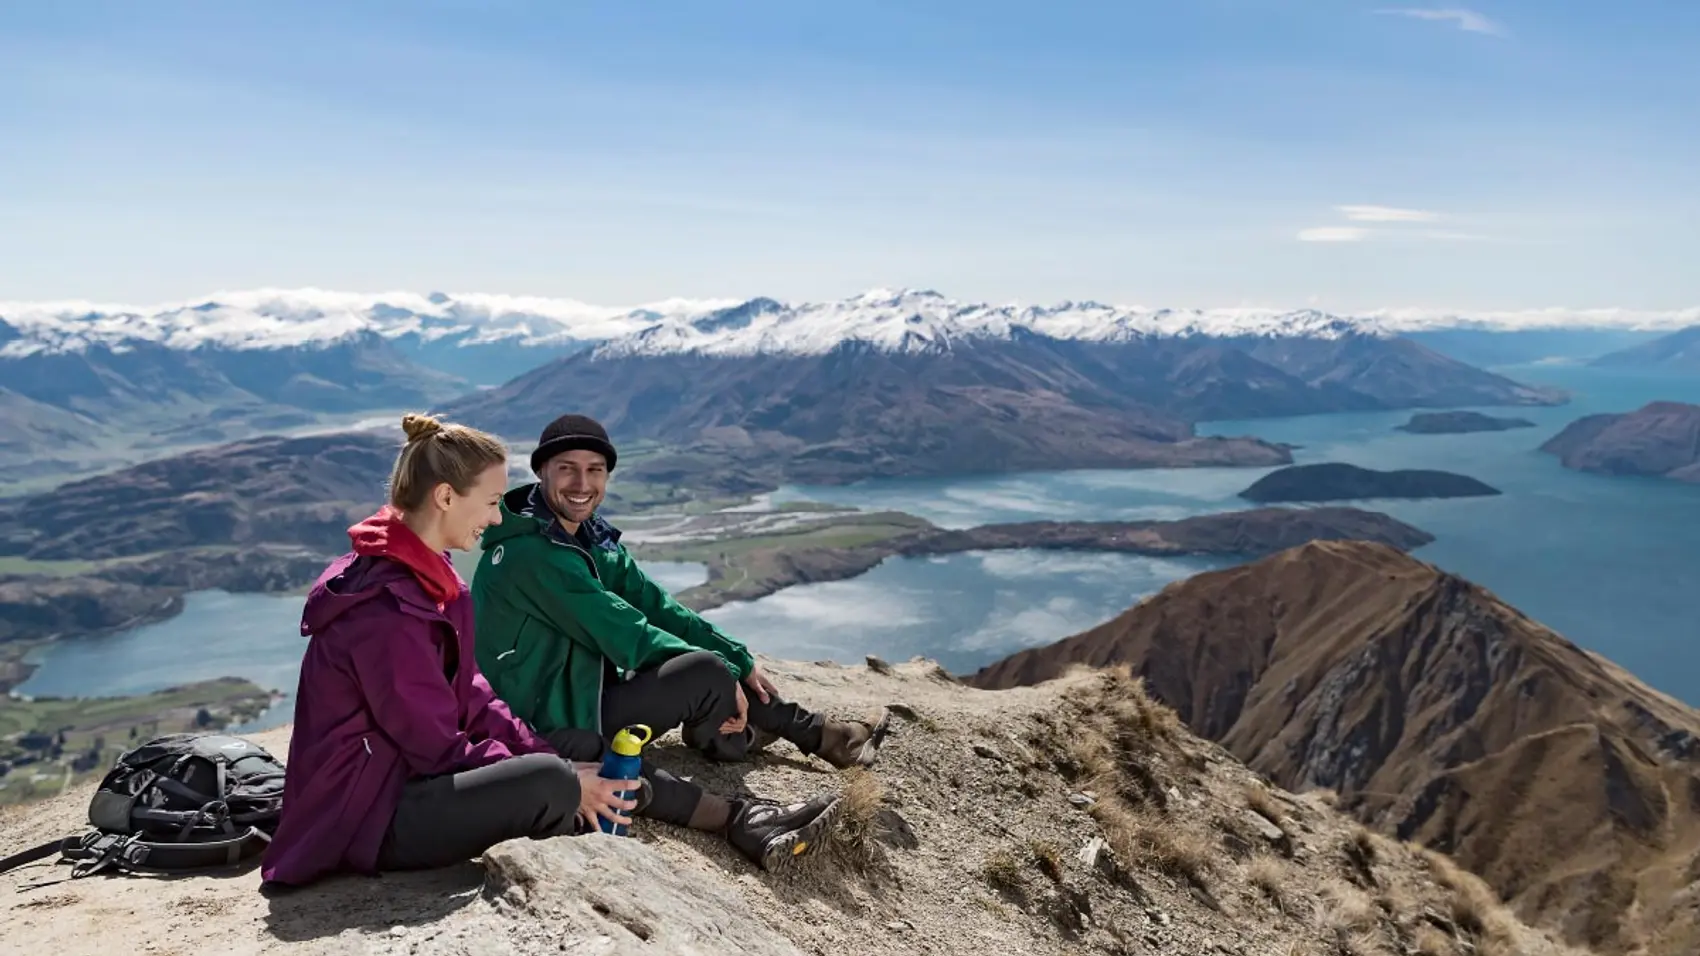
670, 800
454, 817
696, 691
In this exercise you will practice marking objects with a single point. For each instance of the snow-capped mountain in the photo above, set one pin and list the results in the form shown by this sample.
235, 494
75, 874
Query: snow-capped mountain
437, 325
923, 320
276, 318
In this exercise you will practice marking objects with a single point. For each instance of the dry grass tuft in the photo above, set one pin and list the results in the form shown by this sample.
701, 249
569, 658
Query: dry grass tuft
1048, 858
1261, 801
1429, 941
853, 838
1362, 844
1326, 796
1269, 876
1001, 871
1475, 908
1134, 711
1165, 845
1091, 759
1345, 909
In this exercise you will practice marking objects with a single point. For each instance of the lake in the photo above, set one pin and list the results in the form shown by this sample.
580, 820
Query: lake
1608, 562
256, 636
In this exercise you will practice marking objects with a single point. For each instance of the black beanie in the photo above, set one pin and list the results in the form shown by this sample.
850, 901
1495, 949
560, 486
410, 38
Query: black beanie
569, 432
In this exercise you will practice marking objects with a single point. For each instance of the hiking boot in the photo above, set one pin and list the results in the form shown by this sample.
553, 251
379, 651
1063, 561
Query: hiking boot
772, 835
854, 743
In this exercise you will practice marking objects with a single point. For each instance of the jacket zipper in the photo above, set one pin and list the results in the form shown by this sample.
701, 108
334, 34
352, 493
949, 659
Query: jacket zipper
601, 672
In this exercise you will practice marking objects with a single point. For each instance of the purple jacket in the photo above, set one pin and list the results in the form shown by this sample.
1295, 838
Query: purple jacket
389, 691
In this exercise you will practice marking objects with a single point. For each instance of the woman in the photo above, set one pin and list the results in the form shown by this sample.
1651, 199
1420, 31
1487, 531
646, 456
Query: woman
402, 757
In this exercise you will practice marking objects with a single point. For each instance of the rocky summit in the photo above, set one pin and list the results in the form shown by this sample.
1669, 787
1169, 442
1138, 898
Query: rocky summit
1075, 817
1441, 715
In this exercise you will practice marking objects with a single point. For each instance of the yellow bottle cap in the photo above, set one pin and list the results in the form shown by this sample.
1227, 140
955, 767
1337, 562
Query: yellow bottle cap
627, 744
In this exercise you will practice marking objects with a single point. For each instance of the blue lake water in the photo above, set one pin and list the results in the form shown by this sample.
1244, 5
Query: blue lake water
1611, 563
962, 610
1608, 562
256, 636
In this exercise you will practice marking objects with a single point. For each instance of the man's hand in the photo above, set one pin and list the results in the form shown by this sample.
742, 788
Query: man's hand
761, 685
597, 797
735, 724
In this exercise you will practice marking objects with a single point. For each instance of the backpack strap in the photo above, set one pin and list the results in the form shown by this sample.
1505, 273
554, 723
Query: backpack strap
132, 854
40, 852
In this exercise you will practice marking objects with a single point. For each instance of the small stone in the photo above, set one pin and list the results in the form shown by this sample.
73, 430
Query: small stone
1152, 941
892, 830
905, 711
1021, 751
877, 665
1090, 852
1261, 825
1081, 800
988, 752
898, 925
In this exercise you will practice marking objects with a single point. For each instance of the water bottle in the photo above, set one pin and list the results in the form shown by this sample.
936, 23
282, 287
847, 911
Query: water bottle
623, 761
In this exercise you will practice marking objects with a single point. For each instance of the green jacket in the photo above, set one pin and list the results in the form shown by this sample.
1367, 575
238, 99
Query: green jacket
552, 616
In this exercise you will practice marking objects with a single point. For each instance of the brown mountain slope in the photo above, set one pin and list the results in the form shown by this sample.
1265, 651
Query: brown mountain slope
1440, 714
1660, 439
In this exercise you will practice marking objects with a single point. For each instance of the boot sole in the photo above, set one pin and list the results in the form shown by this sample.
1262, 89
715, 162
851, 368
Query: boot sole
803, 841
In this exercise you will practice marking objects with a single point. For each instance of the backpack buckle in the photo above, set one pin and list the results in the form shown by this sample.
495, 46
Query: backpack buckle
101, 850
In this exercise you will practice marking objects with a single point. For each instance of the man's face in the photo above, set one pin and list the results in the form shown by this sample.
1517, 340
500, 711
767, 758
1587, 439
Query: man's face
574, 483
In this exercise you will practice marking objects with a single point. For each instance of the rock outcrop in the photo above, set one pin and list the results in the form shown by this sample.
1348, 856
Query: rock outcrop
1440, 714
1075, 817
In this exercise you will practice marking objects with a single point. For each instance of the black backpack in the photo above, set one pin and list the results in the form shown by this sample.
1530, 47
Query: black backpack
176, 803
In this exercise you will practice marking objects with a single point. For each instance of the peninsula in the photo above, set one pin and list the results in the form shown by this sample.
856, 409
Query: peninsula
747, 567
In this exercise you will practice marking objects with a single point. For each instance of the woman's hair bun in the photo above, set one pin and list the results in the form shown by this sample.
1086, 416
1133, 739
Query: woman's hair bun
419, 427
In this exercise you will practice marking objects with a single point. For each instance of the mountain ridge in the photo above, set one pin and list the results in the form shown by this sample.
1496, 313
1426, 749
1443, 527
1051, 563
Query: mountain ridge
272, 317
1441, 714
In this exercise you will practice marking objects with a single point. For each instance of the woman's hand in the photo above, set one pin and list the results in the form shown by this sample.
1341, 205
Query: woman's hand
598, 797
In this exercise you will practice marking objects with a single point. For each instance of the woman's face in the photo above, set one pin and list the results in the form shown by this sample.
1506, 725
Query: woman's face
468, 515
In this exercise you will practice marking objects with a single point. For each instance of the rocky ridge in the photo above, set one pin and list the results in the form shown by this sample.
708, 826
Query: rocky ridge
1072, 817
1440, 714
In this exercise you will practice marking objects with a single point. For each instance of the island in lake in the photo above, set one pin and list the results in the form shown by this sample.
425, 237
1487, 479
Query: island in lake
1459, 423
1657, 440
1337, 481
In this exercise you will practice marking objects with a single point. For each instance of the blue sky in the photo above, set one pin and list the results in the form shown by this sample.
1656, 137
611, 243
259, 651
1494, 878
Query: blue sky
1350, 155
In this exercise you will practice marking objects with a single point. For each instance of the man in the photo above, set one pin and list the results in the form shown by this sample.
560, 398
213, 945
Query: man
574, 636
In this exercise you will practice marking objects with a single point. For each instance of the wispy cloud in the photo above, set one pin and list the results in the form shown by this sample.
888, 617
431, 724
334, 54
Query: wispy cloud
1468, 20
1333, 234
1385, 214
